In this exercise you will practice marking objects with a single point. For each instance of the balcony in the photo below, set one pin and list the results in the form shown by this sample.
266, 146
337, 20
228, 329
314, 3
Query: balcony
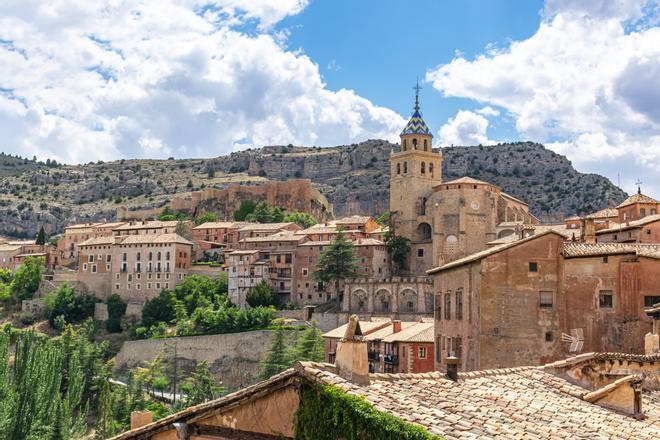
391, 359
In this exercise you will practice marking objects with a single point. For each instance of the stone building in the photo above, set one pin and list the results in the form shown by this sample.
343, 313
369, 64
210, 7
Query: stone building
444, 220
75, 234
637, 207
256, 230
212, 235
644, 230
399, 297
245, 269
541, 298
393, 346
137, 267
372, 262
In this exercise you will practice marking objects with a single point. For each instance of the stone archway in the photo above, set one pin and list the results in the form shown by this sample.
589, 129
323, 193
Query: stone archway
383, 301
359, 300
407, 301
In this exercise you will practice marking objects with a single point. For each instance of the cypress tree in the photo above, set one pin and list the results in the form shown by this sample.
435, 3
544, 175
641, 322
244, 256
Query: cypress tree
337, 262
41, 237
277, 358
310, 346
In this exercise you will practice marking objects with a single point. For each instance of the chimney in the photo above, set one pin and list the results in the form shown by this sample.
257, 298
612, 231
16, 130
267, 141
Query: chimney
396, 326
352, 359
141, 418
589, 230
652, 340
452, 367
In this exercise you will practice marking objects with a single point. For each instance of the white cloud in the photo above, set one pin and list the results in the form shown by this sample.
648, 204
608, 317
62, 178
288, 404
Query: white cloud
583, 82
466, 128
83, 81
488, 111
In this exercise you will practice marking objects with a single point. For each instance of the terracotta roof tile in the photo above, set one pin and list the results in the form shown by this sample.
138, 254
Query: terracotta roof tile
637, 198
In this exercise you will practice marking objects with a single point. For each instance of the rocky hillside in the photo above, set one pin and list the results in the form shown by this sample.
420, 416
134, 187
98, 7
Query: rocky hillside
355, 178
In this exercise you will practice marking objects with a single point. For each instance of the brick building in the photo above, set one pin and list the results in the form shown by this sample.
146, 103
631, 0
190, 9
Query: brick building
212, 235
541, 298
372, 262
245, 269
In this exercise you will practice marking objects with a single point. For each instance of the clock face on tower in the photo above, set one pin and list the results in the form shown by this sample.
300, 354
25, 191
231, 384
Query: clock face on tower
474, 205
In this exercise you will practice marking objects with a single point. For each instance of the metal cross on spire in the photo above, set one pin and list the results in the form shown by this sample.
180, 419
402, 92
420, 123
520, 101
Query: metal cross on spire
417, 88
639, 187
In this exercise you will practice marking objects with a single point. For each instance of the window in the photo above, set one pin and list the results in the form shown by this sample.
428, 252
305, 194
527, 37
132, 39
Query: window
148, 285
458, 347
548, 337
423, 168
438, 348
84, 266
116, 286
425, 144
398, 168
138, 286
405, 167
606, 259
116, 276
648, 232
431, 169
605, 299
650, 301
288, 258
420, 252
93, 268
545, 299
438, 309
642, 212
422, 352
448, 305
107, 267
108, 258
90, 258
533, 266
459, 303
451, 244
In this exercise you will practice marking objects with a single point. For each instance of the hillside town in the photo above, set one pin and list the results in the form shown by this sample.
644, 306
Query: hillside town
457, 292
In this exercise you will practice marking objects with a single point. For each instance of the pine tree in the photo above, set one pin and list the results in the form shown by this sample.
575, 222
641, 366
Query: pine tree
337, 262
277, 358
41, 237
201, 386
310, 346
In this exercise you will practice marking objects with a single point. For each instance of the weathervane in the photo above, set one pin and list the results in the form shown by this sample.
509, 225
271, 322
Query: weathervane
417, 88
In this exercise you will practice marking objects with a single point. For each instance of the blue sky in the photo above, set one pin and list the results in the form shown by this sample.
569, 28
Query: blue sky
88, 80
379, 48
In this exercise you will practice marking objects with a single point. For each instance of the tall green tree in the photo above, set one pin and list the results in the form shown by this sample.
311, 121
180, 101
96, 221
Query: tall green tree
41, 237
277, 359
310, 346
302, 219
27, 278
201, 386
205, 217
247, 207
398, 246
261, 295
337, 262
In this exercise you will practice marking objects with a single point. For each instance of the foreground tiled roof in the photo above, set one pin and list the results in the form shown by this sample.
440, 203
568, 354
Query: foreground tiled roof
637, 198
279, 236
419, 332
513, 403
467, 180
572, 250
365, 326
632, 225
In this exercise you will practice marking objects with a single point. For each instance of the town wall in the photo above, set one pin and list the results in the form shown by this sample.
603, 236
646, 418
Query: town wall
222, 352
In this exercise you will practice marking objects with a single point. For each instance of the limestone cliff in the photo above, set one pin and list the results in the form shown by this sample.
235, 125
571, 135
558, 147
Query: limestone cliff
354, 178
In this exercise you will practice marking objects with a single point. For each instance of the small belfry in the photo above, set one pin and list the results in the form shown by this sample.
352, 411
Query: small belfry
414, 171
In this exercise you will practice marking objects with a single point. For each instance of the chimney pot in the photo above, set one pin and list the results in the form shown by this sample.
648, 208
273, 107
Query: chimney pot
396, 326
141, 418
452, 367
352, 359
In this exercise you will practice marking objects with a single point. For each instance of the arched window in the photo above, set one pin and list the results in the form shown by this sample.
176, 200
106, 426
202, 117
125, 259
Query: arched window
424, 144
398, 168
431, 169
422, 207
404, 145
424, 232
414, 143
451, 244
405, 168
158, 256
423, 168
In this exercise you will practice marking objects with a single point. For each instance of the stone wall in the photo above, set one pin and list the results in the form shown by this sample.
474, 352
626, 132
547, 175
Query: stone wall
233, 358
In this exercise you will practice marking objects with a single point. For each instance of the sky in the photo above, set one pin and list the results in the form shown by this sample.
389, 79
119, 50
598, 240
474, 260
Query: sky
85, 80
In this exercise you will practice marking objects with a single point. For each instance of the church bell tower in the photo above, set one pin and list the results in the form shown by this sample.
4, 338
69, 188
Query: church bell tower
414, 171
